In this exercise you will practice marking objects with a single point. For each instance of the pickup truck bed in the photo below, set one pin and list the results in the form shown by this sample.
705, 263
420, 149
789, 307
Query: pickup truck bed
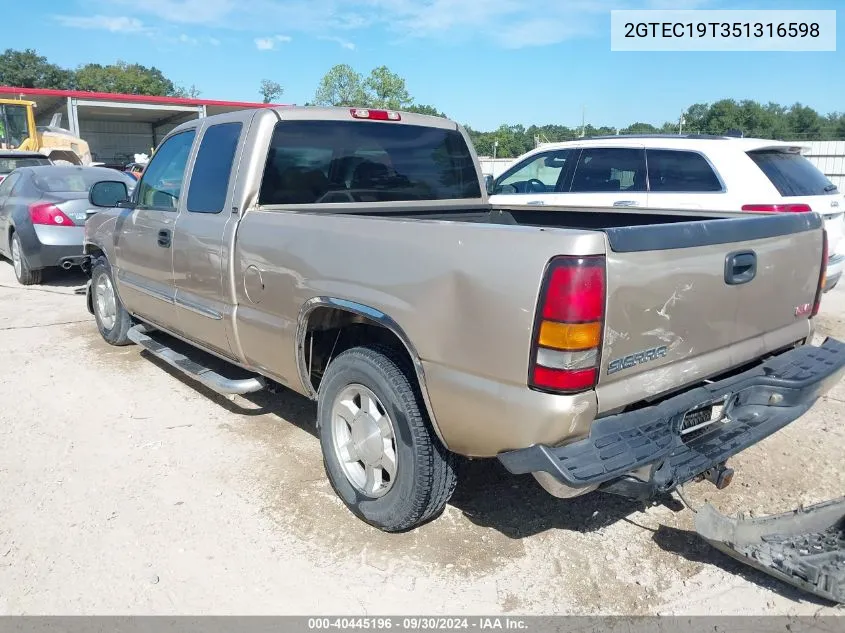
359, 263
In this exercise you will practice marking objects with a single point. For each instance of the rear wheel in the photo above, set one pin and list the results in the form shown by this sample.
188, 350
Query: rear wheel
113, 321
379, 448
25, 275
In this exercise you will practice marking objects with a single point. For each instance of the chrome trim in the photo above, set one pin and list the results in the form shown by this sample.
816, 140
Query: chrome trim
152, 292
205, 376
197, 308
371, 313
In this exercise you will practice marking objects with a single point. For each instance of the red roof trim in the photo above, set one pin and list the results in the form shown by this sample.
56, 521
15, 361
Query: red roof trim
113, 96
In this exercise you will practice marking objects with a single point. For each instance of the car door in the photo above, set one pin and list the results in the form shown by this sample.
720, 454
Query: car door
144, 250
203, 236
539, 179
683, 179
6, 188
609, 177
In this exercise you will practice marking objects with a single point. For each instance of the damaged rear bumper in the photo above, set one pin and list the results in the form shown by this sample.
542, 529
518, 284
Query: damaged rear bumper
756, 403
805, 548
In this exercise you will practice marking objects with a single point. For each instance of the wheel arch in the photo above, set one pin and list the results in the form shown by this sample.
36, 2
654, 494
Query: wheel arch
345, 314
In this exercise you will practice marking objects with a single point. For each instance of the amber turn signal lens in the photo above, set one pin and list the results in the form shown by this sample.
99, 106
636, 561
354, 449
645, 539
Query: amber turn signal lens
570, 336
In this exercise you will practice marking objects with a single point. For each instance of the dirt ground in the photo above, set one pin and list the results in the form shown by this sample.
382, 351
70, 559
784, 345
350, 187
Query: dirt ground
130, 490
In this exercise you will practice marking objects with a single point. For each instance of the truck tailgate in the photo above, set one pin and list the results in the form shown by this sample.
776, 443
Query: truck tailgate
686, 301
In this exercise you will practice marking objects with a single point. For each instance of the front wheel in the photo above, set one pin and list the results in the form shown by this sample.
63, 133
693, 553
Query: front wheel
379, 449
113, 321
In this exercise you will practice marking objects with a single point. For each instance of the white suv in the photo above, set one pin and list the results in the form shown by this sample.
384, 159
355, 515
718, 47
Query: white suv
678, 172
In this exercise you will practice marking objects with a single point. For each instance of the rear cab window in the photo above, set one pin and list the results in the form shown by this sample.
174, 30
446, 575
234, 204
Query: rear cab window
679, 171
325, 162
792, 174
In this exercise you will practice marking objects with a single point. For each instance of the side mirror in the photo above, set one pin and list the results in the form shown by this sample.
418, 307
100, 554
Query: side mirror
488, 183
108, 193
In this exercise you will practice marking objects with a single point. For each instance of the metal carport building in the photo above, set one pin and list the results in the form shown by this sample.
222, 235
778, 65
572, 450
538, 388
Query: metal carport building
118, 126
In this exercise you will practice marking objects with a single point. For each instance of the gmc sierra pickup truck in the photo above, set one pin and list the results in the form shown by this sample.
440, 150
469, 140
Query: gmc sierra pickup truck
352, 256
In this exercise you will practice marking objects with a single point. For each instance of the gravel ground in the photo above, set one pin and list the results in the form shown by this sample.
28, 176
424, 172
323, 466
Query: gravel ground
129, 490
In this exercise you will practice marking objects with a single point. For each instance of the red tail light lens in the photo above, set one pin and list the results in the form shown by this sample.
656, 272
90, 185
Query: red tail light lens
48, 214
575, 291
777, 208
375, 115
567, 335
817, 303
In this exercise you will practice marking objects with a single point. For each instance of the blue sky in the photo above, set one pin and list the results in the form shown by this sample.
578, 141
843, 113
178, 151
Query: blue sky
483, 62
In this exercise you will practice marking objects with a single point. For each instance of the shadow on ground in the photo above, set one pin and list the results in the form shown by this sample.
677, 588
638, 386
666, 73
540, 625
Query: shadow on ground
487, 495
518, 507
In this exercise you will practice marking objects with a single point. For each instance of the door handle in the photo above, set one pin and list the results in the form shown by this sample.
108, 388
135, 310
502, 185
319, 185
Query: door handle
740, 267
164, 238
626, 203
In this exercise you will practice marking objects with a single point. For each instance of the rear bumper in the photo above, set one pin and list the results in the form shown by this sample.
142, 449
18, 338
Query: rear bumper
54, 245
758, 402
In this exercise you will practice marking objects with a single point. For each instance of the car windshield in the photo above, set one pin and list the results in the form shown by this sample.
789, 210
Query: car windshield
72, 179
10, 163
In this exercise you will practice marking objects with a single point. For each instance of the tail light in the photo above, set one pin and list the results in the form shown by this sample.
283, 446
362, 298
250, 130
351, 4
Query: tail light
375, 115
50, 214
777, 208
568, 330
817, 302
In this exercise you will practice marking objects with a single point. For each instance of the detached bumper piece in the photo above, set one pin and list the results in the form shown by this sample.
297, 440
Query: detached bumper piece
805, 548
748, 407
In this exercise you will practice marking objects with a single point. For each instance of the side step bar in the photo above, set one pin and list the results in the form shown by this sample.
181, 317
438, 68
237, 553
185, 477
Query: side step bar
204, 375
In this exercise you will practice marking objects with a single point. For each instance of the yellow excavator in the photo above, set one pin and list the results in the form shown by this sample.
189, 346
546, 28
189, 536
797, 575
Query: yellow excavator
18, 131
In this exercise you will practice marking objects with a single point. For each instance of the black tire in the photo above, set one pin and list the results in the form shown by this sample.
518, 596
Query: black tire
117, 334
27, 276
425, 476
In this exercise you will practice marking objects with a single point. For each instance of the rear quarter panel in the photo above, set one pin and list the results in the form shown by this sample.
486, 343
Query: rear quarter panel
464, 294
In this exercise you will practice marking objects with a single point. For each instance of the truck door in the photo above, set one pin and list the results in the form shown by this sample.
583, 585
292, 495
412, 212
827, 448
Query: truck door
145, 242
204, 234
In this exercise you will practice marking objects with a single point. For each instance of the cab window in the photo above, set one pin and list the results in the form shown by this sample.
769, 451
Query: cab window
161, 186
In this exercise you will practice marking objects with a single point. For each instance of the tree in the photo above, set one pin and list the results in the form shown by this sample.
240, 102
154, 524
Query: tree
640, 128
341, 86
28, 69
386, 89
124, 78
187, 93
424, 109
270, 90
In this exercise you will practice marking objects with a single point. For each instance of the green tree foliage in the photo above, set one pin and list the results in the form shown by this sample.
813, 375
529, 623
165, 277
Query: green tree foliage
386, 89
341, 86
28, 69
187, 93
124, 78
424, 109
270, 90
382, 88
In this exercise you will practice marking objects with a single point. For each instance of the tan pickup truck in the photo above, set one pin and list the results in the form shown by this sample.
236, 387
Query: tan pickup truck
352, 256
